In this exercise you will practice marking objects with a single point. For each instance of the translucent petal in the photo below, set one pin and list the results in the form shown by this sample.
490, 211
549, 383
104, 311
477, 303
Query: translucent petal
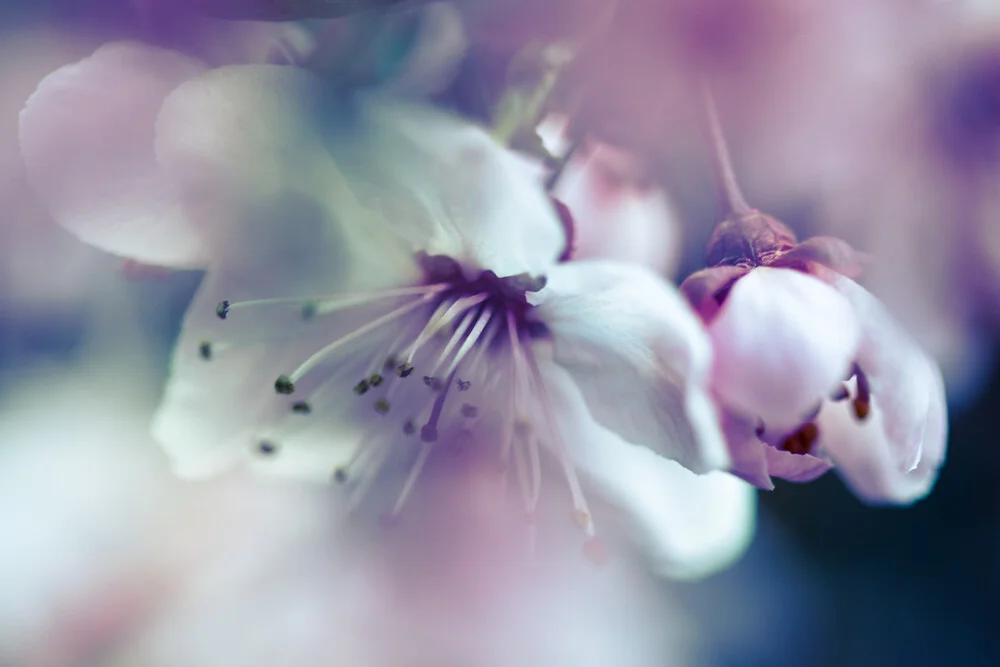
687, 525
783, 340
639, 355
894, 454
87, 141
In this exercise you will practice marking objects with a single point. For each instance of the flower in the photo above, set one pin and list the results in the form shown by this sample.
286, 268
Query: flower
381, 286
616, 213
796, 341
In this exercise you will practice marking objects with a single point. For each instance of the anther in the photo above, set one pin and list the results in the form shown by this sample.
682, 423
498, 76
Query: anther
222, 310
428, 433
409, 428
362, 387
267, 448
802, 441
205, 350
309, 311
339, 475
862, 409
382, 406
301, 408
463, 385
434, 383
284, 385
404, 370
582, 518
469, 411
375, 380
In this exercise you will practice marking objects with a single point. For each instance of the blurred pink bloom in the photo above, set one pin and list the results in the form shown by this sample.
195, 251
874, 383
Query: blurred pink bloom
811, 369
108, 560
617, 213
455, 330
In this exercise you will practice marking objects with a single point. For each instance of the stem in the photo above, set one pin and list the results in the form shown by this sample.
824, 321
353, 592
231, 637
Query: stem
730, 195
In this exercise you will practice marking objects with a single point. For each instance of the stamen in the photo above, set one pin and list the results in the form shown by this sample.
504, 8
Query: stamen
267, 448
562, 454
470, 341
429, 431
441, 318
205, 350
284, 385
411, 479
456, 336
329, 303
862, 401
318, 356
801, 442
526, 436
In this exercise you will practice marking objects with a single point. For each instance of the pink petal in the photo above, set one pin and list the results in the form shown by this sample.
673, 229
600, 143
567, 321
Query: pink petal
783, 341
702, 288
639, 355
87, 141
894, 454
616, 217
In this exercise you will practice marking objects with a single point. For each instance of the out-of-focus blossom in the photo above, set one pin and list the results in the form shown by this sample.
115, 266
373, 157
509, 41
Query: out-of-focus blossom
381, 286
812, 370
616, 211
109, 560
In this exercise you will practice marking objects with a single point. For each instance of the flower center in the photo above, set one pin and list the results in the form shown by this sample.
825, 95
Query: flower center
803, 439
447, 365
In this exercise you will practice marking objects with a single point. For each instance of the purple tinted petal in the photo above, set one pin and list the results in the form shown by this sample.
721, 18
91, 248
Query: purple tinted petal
702, 288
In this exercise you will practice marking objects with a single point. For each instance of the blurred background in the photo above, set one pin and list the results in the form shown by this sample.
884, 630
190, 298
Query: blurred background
874, 120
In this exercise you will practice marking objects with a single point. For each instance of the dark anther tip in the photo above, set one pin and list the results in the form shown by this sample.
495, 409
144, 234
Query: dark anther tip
267, 448
302, 408
284, 385
309, 311
222, 310
340, 475
428, 433
205, 350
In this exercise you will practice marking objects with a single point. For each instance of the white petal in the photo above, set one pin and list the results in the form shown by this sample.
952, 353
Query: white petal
639, 355
404, 177
895, 453
613, 216
87, 140
867, 460
687, 525
481, 203
240, 139
216, 411
783, 340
